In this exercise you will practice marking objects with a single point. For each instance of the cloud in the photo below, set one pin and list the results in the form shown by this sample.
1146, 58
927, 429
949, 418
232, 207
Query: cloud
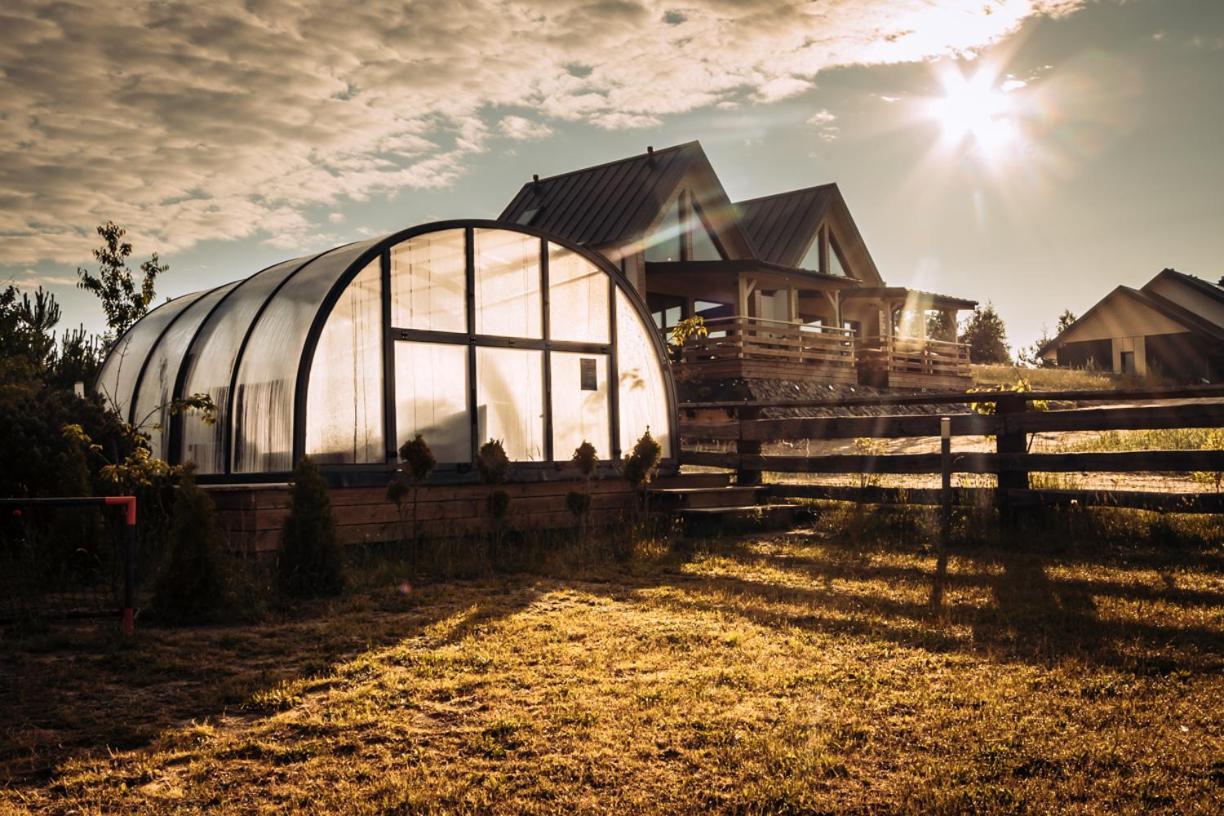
823, 120
520, 127
234, 118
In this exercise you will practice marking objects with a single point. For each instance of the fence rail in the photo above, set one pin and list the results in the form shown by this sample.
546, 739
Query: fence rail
1010, 425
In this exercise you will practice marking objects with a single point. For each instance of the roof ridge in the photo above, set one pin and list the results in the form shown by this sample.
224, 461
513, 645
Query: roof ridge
593, 167
786, 193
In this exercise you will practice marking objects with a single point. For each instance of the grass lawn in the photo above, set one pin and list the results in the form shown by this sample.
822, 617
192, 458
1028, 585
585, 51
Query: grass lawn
772, 674
1051, 379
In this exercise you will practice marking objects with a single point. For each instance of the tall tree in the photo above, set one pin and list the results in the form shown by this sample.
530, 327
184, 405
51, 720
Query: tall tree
986, 336
1065, 319
940, 325
115, 284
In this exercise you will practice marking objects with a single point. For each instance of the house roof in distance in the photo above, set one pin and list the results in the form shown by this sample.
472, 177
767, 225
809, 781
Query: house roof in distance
1210, 289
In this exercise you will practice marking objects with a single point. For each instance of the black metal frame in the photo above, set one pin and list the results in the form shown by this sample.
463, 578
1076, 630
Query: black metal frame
380, 250
473, 340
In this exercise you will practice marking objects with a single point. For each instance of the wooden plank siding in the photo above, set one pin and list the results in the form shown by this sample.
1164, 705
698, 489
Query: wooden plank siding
251, 516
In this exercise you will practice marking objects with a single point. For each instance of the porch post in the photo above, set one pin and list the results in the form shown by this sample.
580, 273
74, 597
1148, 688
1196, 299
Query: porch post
792, 305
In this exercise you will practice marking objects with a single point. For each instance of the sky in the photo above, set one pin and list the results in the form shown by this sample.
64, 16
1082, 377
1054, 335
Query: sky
1029, 153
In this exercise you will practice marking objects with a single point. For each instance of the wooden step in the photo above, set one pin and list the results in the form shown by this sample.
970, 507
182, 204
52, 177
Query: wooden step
703, 497
681, 480
707, 521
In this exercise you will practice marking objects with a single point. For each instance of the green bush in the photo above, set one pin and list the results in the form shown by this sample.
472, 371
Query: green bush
640, 465
192, 587
311, 561
492, 463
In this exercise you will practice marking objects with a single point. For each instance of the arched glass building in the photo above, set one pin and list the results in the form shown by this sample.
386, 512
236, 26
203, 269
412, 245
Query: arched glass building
462, 331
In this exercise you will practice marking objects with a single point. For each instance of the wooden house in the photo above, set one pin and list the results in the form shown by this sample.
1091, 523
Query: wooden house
1171, 329
785, 284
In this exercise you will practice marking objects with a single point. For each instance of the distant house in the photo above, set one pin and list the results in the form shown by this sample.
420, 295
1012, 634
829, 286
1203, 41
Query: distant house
1171, 328
785, 283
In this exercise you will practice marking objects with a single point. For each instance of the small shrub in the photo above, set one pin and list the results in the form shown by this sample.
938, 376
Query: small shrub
640, 464
192, 587
499, 505
311, 562
585, 458
492, 463
419, 462
579, 504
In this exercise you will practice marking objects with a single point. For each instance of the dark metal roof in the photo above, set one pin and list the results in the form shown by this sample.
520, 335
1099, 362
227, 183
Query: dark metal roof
782, 226
606, 204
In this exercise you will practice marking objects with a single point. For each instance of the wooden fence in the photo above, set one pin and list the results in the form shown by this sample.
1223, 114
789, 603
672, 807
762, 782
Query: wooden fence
1010, 424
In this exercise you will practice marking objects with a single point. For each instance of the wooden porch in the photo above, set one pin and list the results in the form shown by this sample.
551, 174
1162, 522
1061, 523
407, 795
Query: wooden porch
758, 348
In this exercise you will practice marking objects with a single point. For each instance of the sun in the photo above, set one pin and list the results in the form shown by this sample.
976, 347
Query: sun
975, 109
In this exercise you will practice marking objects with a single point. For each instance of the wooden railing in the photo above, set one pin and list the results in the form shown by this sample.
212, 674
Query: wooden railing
906, 355
774, 341
1011, 424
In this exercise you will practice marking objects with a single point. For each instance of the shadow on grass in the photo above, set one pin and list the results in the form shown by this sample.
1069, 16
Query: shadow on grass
77, 691
1004, 603
80, 692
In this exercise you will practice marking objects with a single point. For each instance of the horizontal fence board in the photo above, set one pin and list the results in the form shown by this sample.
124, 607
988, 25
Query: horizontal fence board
1110, 462
1195, 415
1141, 418
963, 397
984, 496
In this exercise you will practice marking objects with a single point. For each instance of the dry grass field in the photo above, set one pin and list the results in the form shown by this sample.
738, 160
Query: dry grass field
845, 668
1052, 379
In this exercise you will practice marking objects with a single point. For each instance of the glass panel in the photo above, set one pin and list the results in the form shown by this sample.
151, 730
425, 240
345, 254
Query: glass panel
836, 267
267, 374
664, 245
428, 282
510, 401
642, 388
811, 259
704, 248
580, 404
431, 399
507, 284
344, 402
210, 364
157, 386
117, 379
577, 298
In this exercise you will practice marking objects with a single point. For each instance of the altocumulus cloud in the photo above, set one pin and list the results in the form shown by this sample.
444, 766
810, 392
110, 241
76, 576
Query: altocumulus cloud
228, 119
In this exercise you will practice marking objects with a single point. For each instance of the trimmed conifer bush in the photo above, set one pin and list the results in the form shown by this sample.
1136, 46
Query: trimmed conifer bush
192, 587
311, 561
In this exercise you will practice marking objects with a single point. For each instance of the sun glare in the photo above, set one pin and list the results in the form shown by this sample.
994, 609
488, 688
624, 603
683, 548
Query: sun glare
975, 109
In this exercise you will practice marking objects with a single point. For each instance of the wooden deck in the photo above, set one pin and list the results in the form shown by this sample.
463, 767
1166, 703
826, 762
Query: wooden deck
755, 348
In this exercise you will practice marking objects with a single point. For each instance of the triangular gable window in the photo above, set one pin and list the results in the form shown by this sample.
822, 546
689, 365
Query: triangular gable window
704, 247
664, 245
836, 265
811, 259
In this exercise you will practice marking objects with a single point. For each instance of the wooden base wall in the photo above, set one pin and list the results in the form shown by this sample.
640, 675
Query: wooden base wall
251, 515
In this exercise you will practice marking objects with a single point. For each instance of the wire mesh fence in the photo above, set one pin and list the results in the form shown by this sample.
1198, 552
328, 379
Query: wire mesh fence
67, 558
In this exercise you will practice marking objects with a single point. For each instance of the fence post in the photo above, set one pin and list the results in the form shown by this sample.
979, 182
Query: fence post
1010, 440
744, 476
128, 614
945, 469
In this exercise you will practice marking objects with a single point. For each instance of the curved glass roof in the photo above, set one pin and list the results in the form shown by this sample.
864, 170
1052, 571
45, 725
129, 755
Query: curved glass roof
461, 331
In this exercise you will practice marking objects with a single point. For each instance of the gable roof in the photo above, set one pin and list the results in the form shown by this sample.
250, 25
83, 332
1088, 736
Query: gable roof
782, 227
1207, 288
614, 204
1161, 305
